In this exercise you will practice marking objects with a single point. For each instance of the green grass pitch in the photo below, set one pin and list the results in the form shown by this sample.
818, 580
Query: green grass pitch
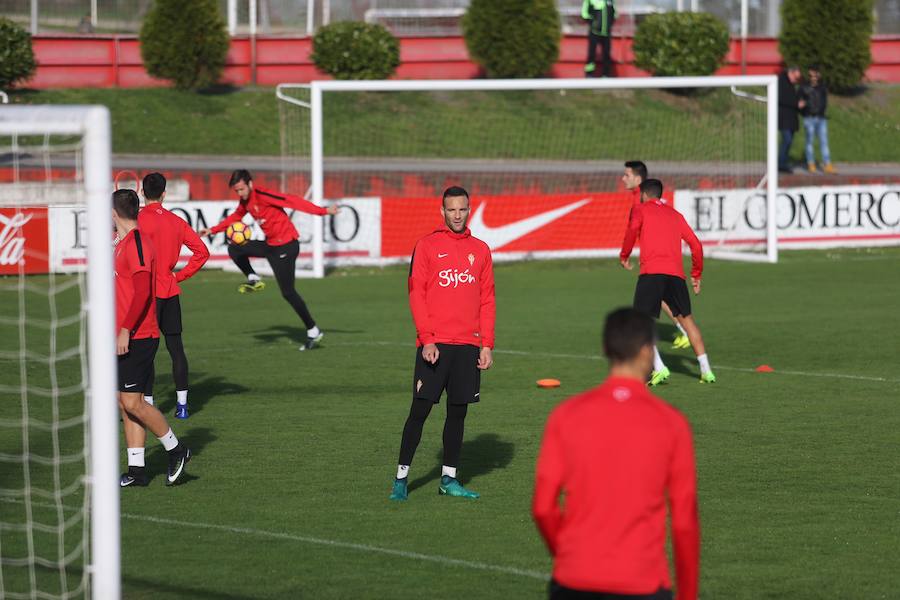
799, 470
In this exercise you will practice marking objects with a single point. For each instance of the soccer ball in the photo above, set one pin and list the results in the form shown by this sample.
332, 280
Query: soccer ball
238, 233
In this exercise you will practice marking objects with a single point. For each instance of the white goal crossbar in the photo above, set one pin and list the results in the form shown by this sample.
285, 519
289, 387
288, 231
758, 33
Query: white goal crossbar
92, 124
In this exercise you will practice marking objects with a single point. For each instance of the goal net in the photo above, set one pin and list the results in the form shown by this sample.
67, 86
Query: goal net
542, 160
59, 508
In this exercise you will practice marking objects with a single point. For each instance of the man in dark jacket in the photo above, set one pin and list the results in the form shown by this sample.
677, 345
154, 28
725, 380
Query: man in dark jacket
788, 120
601, 14
815, 94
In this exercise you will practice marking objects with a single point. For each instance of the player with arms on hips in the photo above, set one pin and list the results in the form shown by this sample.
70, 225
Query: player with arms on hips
136, 343
168, 233
281, 247
661, 229
618, 455
451, 296
635, 174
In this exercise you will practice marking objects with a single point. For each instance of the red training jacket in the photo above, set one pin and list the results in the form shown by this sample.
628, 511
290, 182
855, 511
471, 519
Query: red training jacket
169, 232
451, 290
661, 229
133, 255
617, 452
267, 207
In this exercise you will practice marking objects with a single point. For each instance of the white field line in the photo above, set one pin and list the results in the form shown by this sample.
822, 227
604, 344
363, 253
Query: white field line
305, 539
598, 358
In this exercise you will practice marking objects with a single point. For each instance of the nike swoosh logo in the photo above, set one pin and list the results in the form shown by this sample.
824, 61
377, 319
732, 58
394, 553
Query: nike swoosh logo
496, 237
282, 256
130, 385
442, 255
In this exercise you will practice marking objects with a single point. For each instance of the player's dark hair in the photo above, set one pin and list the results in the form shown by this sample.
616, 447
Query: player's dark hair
638, 168
154, 186
239, 175
626, 331
126, 204
454, 191
652, 188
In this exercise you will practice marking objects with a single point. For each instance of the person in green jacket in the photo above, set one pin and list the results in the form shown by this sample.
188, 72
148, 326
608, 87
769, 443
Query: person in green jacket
600, 14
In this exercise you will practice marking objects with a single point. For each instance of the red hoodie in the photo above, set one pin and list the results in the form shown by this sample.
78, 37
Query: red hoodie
267, 207
451, 290
661, 229
169, 232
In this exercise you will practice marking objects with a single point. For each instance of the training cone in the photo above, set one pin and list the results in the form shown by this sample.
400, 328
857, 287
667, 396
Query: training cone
548, 383
764, 369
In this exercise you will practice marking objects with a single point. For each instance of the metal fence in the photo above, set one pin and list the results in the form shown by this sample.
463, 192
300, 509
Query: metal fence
402, 17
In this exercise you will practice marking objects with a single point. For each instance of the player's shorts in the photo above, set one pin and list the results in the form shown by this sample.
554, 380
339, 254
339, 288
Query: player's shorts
168, 315
652, 290
136, 365
456, 371
559, 592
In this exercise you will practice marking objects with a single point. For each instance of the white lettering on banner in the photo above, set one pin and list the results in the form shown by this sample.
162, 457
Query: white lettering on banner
351, 237
453, 277
12, 244
806, 217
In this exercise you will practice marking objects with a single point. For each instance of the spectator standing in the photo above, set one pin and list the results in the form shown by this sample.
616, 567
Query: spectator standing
789, 104
815, 94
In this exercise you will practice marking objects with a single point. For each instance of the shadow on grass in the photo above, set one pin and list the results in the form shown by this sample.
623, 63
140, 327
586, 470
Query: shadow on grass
295, 334
203, 388
479, 457
139, 586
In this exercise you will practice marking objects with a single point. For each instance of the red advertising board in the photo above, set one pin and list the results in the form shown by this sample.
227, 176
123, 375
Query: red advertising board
519, 223
24, 246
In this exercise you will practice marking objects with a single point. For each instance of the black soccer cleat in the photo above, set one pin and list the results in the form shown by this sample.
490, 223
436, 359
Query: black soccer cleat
178, 460
312, 342
134, 477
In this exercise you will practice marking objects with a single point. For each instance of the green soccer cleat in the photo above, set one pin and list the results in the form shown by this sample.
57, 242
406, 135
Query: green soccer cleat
681, 341
658, 377
707, 377
248, 287
451, 487
399, 492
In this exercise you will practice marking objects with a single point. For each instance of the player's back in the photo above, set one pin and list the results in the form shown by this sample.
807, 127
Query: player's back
135, 254
662, 230
619, 442
166, 232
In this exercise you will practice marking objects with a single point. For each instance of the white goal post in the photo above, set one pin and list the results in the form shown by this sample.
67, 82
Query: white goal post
315, 98
91, 126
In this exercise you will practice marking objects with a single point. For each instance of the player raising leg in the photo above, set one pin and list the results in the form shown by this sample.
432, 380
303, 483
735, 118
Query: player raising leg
168, 233
281, 247
635, 174
661, 229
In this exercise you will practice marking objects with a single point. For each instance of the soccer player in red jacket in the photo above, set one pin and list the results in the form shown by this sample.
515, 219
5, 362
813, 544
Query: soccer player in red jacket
136, 343
635, 173
168, 233
661, 229
618, 454
451, 296
281, 247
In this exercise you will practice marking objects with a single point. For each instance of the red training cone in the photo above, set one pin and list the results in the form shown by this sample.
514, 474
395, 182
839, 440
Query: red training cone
764, 369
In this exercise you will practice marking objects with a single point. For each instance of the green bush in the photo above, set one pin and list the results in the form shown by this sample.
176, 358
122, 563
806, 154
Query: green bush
16, 56
356, 50
680, 44
513, 38
185, 42
835, 34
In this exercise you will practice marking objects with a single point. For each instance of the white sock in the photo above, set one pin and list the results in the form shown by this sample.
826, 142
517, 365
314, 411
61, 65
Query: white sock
680, 328
148, 400
448, 471
703, 359
252, 277
658, 364
182, 396
169, 441
135, 457
402, 471
313, 332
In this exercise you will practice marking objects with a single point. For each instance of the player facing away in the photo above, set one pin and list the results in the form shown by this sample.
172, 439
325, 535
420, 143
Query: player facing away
618, 454
281, 247
168, 233
451, 296
661, 229
635, 173
136, 343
